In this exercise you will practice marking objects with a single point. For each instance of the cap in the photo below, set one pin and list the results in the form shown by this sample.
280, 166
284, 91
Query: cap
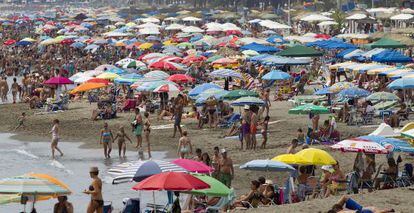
223, 151
94, 169
328, 168
246, 107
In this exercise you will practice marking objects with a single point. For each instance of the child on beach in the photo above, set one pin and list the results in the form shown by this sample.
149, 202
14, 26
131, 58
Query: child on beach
265, 125
300, 136
20, 121
121, 135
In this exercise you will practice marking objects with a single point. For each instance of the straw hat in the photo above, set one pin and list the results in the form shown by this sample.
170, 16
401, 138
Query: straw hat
93, 169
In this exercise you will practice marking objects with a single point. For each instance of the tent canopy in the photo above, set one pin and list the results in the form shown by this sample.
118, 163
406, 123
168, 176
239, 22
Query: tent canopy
260, 48
300, 51
387, 43
391, 56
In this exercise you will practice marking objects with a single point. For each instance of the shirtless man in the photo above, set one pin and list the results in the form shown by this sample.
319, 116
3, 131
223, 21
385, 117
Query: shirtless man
226, 169
266, 99
4, 89
178, 113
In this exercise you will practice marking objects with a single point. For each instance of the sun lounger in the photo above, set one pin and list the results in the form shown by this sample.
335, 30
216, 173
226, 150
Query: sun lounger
385, 105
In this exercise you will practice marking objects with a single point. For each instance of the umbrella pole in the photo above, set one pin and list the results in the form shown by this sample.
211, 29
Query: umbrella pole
155, 205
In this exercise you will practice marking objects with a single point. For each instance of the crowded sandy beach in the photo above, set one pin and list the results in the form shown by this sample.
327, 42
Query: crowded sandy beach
206, 107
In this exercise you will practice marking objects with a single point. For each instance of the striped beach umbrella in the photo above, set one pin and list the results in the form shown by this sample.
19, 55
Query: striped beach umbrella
139, 170
31, 185
224, 73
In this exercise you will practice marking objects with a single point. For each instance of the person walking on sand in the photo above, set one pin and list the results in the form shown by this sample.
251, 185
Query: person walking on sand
253, 129
121, 135
15, 89
245, 127
55, 138
20, 121
95, 190
147, 131
178, 113
185, 147
226, 169
106, 139
137, 127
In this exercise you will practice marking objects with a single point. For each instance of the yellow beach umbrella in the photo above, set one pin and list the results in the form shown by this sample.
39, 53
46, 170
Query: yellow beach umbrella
379, 70
316, 156
49, 178
398, 72
120, 44
145, 46
130, 24
336, 66
168, 42
87, 86
29, 39
108, 76
291, 159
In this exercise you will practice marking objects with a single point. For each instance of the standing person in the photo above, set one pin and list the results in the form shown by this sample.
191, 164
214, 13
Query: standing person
137, 127
4, 89
55, 138
121, 135
95, 190
147, 131
63, 206
226, 169
253, 129
265, 126
266, 100
184, 146
178, 113
215, 162
106, 139
245, 127
15, 89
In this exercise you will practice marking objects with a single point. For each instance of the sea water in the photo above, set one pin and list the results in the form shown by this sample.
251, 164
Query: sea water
18, 158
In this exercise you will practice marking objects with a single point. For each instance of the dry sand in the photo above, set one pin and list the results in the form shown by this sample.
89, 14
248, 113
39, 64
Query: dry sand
76, 125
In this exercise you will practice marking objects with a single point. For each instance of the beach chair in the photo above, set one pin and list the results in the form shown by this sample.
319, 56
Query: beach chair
151, 207
385, 105
233, 119
107, 207
223, 202
314, 189
132, 205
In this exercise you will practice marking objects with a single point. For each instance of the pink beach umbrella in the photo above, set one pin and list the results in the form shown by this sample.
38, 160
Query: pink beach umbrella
59, 80
360, 145
194, 166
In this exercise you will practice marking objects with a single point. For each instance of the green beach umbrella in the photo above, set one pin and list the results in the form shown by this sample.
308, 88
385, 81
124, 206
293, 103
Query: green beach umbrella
235, 94
300, 51
387, 43
213, 58
309, 108
217, 189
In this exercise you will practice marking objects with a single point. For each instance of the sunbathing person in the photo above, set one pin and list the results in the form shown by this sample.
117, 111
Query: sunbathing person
354, 206
253, 197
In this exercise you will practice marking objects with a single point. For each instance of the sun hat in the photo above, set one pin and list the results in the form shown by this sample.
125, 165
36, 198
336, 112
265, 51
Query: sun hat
246, 107
328, 168
223, 151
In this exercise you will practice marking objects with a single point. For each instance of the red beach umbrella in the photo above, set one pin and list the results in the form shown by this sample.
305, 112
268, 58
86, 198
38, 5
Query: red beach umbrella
171, 181
59, 80
180, 78
98, 80
9, 42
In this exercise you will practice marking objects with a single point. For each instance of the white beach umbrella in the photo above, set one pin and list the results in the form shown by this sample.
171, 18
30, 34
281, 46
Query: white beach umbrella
402, 17
315, 18
191, 18
149, 31
150, 19
192, 29
327, 23
174, 27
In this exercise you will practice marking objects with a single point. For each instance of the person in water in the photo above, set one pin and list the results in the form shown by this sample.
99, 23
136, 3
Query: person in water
184, 146
63, 206
121, 136
106, 139
95, 190
137, 127
55, 138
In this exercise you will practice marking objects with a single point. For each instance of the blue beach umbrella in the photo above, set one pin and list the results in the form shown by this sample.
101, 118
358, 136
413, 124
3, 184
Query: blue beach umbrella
201, 88
267, 165
354, 92
402, 83
276, 75
248, 101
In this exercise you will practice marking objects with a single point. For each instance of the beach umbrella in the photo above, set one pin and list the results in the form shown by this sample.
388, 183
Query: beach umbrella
193, 166
116, 70
354, 92
193, 59
108, 76
291, 159
171, 181
309, 108
323, 91
145, 46
23, 43
151, 85
360, 145
82, 79
185, 45
201, 88
225, 73
9, 42
59, 80
180, 78
140, 170
30, 185
217, 188
78, 45
300, 51
224, 61
88, 86
248, 101
382, 96
98, 80
391, 144
167, 88
213, 58
337, 87
124, 62
235, 94
267, 165
105, 67
276, 75
9, 198
165, 65
316, 156
250, 53
157, 74
402, 83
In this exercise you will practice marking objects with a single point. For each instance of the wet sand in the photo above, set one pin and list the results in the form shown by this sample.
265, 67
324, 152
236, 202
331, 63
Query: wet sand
76, 125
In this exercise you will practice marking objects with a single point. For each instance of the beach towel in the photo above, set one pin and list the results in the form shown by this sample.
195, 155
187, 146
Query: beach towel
166, 126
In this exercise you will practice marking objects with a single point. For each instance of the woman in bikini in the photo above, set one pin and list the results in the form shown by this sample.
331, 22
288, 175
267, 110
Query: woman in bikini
95, 190
121, 135
147, 131
106, 139
184, 146
137, 127
55, 138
